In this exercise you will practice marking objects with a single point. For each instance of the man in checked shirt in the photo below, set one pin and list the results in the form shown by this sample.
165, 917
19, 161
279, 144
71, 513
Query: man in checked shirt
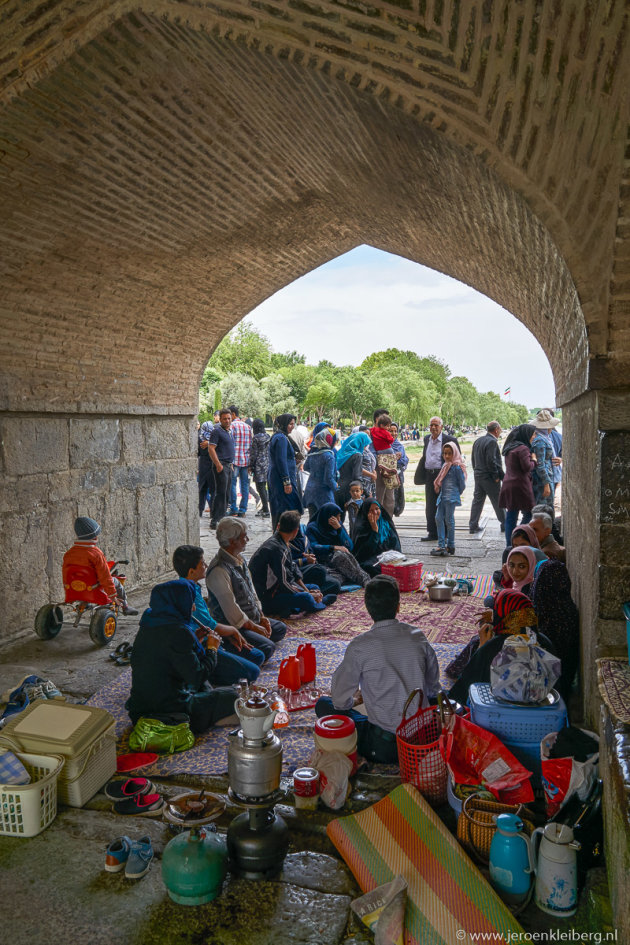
242, 436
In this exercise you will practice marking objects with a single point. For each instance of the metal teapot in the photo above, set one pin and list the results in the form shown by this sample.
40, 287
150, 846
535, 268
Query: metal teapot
256, 717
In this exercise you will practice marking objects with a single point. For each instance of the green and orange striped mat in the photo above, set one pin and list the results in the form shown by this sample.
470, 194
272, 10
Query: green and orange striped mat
449, 901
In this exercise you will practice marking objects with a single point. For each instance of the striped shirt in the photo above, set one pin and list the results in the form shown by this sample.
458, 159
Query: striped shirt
387, 663
242, 436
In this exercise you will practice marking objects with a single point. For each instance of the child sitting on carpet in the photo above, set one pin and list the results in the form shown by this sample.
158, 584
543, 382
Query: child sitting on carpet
386, 663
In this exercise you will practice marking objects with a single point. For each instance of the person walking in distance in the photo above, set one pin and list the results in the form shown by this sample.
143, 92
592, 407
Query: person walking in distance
488, 470
242, 435
221, 451
428, 469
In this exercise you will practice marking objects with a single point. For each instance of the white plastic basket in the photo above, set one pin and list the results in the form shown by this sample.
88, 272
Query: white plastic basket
27, 809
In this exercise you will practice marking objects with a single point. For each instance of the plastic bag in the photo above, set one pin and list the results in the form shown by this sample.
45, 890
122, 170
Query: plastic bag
334, 770
153, 735
382, 910
562, 778
522, 671
475, 756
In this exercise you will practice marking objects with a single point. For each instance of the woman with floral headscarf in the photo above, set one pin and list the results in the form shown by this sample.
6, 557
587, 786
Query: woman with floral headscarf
284, 494
513, 613
449, 484
321, 466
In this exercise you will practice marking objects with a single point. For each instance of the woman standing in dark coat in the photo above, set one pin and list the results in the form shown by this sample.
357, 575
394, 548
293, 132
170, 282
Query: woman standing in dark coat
170, 666
517, 493
284, 494
374, 533
259, 464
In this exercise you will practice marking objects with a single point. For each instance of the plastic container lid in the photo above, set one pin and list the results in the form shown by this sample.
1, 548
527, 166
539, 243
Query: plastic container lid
334, 726
63, 729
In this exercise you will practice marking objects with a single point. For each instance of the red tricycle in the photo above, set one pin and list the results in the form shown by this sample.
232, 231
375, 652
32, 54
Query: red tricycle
83, 593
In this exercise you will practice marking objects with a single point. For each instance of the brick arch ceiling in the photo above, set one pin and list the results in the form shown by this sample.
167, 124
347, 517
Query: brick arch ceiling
161, 175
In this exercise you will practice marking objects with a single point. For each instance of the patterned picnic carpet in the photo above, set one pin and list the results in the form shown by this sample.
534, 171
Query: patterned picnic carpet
614, 687
447, 626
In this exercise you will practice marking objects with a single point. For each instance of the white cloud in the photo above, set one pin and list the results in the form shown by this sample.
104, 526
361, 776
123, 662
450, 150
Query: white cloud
368, 300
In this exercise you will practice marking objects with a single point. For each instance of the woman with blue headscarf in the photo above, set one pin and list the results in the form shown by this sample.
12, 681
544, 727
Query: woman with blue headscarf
321, 466
350, 465
171, 666
374, 533
332, 546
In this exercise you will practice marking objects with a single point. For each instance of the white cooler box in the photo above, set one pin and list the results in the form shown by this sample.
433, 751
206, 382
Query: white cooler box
83, 735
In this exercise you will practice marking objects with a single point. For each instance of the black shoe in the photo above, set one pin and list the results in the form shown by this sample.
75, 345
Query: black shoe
503, 528
451, 551
130, 611
439, 552
213, 526
429, 538
475, 529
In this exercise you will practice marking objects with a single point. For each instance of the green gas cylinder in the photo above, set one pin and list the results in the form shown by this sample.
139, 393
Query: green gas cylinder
194, 866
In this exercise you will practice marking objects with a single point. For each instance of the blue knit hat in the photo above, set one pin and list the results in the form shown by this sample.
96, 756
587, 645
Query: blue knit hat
86, 528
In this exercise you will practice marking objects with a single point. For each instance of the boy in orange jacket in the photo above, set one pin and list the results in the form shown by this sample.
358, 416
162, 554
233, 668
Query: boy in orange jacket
86, 553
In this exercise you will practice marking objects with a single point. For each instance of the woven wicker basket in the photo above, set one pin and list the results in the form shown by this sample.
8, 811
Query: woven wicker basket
476, 825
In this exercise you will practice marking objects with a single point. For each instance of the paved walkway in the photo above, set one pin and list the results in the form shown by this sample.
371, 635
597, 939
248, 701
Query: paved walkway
57, 880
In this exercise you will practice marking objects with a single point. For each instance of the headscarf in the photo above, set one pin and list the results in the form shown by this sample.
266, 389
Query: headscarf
529, 533
320, 531
386, 527
519, 436
355, 443
558, 616
458, 460
299, 436
513, 612
258, 426
282, 422
171, 604
528, 553
324, 439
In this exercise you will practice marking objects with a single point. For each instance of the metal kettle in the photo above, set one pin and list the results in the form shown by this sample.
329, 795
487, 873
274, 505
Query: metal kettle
556, 872
256, 717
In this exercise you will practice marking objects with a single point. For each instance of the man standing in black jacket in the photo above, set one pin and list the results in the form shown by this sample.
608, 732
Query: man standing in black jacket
488, 470
428, 468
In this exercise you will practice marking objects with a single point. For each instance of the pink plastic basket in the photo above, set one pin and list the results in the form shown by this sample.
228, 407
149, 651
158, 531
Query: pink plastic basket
407, 576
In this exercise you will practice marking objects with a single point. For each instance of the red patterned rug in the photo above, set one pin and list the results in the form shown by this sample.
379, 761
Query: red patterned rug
451, 622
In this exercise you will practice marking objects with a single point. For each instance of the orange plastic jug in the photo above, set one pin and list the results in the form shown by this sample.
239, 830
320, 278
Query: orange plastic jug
289, 674
308, 662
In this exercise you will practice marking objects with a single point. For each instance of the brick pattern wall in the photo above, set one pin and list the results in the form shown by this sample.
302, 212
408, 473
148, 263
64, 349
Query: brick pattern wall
135, 476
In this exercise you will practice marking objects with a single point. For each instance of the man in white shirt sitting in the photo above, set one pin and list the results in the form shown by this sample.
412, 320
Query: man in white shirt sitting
379, 670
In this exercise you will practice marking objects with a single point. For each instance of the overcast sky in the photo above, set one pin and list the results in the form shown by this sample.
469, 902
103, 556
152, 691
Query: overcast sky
368, 300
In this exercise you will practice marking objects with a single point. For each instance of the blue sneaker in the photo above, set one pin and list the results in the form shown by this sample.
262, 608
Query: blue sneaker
117, 854
139, 858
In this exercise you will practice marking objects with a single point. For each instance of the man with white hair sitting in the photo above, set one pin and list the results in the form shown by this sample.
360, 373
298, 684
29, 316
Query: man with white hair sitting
542, 525
232, 598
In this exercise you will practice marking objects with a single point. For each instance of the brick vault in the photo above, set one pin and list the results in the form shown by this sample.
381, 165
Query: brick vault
165, 166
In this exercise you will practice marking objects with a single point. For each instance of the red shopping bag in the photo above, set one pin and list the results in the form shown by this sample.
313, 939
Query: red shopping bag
475, 756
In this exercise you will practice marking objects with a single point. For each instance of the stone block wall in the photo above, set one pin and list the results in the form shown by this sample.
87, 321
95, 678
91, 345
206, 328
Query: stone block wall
136, 476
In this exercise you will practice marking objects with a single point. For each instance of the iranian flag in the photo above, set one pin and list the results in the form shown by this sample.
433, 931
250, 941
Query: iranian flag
507, 391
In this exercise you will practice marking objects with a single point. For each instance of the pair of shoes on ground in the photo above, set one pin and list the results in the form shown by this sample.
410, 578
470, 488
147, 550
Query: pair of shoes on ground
442, 552
29, 689
429, 538
262, 514
237, 514
135, 796
132, 856
122, 654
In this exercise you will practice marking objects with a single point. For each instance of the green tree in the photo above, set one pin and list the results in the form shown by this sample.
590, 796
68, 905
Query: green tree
408, 397
358, 394
277, 395
243, 351
243, 391
321, 398
461, 403
299, 377
286, 359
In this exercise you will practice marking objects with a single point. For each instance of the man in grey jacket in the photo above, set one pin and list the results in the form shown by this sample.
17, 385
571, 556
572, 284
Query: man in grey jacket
488, 470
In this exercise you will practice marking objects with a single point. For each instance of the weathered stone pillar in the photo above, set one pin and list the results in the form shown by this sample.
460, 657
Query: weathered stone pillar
135, 474
596, 522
